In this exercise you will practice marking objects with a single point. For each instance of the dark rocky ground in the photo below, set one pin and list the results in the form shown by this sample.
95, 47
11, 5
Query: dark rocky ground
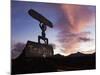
78, 61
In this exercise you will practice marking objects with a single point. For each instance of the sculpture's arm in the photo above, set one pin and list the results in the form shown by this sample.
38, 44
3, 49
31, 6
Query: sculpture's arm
40, 25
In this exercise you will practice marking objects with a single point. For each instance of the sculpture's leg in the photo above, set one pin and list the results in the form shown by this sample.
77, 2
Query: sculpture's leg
38, 39
46, 41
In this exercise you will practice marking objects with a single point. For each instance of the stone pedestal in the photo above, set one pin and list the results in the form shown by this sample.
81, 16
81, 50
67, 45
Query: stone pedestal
34, 49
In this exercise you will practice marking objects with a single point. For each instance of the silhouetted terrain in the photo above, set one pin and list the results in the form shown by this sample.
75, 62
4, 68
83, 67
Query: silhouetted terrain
55, 63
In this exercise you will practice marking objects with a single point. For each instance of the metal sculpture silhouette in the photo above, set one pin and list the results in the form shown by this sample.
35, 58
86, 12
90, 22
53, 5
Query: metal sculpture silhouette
43, 24
43, 37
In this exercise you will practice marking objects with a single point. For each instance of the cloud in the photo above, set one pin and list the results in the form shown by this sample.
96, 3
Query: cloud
17, 49
85, 39
71, 42
88, 52
71, 25
78, 16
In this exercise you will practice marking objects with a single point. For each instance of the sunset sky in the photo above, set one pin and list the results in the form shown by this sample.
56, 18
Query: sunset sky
73, 31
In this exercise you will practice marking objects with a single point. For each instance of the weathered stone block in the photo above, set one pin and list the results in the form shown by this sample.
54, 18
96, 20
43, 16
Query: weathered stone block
34, 49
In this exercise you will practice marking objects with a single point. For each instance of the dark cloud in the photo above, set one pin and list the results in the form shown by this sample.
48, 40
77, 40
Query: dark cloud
17, 49
84, 39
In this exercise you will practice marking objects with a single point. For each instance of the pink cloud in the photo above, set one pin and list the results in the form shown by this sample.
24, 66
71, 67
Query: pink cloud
72, 24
